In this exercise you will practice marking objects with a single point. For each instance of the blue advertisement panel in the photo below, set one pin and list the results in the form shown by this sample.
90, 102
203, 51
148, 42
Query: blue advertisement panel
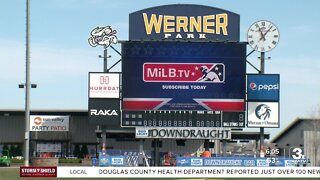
263, 87
234, 162
106, 160
183, 76
184, 22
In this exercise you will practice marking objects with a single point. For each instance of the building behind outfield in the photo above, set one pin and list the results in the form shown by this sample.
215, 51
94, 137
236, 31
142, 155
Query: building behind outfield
12, 124
81, 132
119, 141
301, 133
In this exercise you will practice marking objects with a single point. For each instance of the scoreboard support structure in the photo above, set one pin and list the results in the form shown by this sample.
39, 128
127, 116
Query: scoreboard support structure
262, 58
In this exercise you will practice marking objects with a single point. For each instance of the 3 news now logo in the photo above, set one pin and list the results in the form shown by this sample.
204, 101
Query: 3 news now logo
266, 87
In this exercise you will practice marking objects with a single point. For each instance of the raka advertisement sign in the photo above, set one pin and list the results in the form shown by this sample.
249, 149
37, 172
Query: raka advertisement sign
184, 22
104, 112
49, 123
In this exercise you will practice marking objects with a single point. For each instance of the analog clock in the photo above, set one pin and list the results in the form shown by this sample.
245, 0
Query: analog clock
263, 36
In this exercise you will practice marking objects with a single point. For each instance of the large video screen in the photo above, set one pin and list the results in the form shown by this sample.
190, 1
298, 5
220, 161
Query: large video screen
183, 76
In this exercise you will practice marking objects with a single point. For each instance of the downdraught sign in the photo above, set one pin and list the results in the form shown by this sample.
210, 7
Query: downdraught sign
184, 72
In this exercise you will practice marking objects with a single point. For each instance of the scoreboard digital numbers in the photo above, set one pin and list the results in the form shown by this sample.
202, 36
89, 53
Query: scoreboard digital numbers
172, 118
233, 119
182, 119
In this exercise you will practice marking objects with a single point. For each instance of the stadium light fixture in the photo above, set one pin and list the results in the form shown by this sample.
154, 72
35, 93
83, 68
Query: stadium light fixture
32, 85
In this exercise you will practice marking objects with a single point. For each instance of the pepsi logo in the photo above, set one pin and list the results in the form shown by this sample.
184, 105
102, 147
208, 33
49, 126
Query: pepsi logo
253, 86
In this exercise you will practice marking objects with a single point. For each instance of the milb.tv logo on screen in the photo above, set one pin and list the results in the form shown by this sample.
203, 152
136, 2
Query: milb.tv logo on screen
184, 72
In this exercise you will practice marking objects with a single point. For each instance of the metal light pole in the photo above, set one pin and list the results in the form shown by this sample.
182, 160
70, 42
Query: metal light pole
94, 41
27, 86
105, 60
104, 128
262, 58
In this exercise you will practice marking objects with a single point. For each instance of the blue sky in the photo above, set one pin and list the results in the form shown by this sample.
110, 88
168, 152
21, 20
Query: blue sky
61, 56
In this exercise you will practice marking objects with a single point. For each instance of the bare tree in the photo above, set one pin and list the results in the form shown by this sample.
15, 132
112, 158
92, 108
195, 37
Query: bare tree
313, 131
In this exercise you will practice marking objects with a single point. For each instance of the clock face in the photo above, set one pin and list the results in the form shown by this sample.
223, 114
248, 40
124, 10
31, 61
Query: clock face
263, 36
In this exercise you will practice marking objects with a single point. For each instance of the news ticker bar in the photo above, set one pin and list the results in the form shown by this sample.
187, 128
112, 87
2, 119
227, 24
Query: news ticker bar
183, 119
176, 172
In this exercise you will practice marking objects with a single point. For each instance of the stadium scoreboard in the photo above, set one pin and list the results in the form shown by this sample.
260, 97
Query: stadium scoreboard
156, 118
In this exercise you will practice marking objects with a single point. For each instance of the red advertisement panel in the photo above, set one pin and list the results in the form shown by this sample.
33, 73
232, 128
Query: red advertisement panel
34, 171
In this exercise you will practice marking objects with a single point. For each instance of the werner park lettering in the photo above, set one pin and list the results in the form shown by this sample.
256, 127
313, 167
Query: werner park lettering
184, 22
168, 24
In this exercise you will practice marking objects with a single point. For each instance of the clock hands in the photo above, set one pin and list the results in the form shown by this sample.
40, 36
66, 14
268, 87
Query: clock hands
261, 33
267, 32
262, 36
